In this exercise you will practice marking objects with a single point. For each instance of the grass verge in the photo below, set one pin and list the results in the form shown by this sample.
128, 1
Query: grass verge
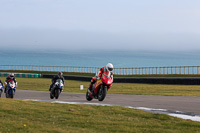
31, 116
42, 84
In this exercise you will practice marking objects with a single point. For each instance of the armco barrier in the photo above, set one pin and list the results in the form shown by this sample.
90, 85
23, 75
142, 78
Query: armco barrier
148, 80
160, 80
79, 78
24, 75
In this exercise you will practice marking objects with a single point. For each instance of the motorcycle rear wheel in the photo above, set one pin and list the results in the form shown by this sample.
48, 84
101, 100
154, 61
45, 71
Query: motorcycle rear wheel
0, 92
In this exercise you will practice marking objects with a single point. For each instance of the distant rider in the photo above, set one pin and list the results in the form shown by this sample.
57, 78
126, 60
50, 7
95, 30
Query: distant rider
59, 76
1, 83
9, 78
107, 68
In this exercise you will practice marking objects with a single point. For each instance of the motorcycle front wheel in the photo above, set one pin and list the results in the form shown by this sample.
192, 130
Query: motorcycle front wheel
88, 96
57, 93
11, 93
102, 93
51, 96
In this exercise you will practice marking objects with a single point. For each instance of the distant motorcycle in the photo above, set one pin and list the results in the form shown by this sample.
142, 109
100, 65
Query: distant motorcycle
56, 89
1, 89
100, 88
11, 88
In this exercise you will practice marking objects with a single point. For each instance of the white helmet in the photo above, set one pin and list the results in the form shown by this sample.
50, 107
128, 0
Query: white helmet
109, 67
12, 75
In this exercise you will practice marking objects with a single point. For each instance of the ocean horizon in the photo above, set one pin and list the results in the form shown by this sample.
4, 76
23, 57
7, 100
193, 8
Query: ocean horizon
119, 58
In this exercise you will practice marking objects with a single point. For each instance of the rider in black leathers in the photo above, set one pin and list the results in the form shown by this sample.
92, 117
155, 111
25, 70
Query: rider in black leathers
59, 76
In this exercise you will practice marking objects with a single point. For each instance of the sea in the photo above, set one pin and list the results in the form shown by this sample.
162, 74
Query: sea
120, 59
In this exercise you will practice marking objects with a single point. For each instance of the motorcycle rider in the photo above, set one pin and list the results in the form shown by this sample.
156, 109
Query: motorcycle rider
107, 68
59, 76
10, 77
1, 83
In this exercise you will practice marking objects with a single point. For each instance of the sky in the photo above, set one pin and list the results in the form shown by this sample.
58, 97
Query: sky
160, 25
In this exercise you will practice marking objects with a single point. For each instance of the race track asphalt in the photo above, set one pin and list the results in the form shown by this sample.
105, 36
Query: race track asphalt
187, 104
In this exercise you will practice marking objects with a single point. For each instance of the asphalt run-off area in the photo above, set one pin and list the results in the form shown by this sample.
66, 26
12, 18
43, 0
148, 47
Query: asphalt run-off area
185, 107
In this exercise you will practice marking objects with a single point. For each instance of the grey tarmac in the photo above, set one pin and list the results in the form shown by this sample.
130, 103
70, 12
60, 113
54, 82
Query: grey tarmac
187, 104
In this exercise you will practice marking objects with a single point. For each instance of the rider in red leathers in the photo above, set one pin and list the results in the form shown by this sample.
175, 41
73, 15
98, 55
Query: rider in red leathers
107, 68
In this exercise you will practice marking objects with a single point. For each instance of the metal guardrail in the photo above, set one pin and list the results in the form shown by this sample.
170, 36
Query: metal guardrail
120, 71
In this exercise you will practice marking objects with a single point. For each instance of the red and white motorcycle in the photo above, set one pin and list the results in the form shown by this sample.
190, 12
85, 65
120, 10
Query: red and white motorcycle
100, 88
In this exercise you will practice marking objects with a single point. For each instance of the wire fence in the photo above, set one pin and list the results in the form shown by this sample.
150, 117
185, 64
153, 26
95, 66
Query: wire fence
120, 71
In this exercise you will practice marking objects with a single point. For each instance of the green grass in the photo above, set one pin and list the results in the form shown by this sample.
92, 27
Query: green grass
35, 117
42, 84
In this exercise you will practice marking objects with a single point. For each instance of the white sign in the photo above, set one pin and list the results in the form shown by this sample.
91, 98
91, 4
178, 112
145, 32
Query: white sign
81, 87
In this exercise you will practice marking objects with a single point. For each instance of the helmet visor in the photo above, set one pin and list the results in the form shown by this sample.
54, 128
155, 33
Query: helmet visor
110, 69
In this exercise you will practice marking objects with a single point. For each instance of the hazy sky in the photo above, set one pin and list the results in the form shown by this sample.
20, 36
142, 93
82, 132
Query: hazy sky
100, 24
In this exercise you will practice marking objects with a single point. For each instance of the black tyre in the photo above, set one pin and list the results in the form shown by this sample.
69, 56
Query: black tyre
102, 93
11, 93
51, 96
7, 95
88, 96
57, 93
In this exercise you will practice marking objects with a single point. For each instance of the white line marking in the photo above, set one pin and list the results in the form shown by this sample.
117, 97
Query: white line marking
178, 114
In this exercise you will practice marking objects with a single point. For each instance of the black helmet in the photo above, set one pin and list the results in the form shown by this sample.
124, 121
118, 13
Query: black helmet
60, 74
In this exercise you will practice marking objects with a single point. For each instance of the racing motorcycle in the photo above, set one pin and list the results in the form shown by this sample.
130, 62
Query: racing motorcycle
100, 88
56, 89
1, 89
11, 88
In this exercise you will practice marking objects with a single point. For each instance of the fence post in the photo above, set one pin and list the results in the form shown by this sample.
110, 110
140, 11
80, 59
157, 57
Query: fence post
142, 70
153, 70
160, 70
132, 71
171, 70
184, 69
139, 70
136, 71
193, 70
167, 70
156, 70
149, 70
188, 70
